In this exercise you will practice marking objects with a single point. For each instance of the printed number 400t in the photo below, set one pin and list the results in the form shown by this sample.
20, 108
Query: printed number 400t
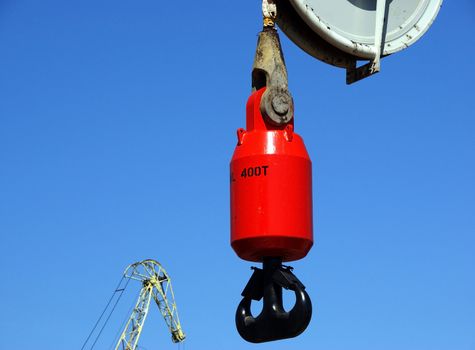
255, 171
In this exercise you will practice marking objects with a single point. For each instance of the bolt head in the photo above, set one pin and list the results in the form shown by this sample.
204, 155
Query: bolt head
281, 104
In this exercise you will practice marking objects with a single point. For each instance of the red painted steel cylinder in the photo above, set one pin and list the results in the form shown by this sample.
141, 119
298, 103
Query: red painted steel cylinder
271, 190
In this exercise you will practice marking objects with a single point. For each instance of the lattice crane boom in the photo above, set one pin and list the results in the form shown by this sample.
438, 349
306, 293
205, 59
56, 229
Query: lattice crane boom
156, 285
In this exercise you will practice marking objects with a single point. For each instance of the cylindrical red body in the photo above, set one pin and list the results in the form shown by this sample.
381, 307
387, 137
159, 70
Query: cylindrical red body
271, 190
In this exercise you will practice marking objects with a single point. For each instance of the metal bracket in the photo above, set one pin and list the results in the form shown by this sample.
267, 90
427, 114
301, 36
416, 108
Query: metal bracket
269, 71
354, 73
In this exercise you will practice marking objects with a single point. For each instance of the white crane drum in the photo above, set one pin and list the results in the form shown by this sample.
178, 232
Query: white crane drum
340, 32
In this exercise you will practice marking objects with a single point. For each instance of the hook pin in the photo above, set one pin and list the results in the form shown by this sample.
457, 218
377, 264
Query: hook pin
273, 323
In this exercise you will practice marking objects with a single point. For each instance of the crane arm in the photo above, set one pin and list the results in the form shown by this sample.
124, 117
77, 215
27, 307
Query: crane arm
168, 309
131, 333
156, 284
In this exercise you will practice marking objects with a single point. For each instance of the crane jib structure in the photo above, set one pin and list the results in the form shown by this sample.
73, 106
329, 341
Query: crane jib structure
156, 285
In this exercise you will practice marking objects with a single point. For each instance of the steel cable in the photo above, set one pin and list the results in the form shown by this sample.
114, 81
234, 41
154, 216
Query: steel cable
116, 290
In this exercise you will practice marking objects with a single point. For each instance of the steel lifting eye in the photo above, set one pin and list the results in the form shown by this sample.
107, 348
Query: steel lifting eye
273, 323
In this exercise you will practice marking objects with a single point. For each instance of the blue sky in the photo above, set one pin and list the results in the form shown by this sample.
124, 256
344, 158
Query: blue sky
117, 124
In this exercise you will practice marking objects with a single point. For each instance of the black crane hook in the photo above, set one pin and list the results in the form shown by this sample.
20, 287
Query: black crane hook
273, 323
